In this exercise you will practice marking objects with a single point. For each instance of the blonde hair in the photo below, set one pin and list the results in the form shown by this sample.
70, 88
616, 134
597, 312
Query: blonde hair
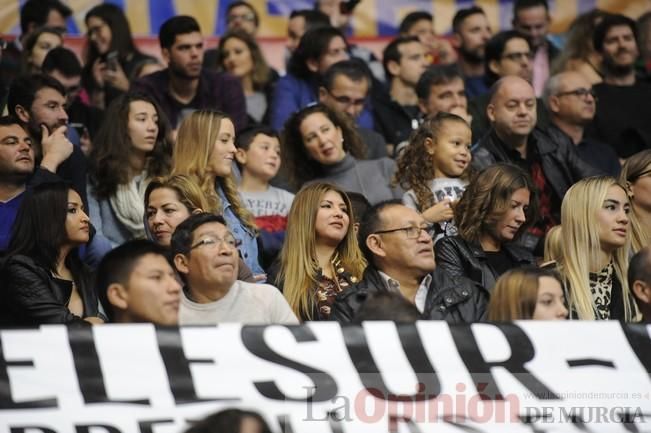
515, 294
186, 190
553, 245
631, 170
581, 246
194, 146
299, 267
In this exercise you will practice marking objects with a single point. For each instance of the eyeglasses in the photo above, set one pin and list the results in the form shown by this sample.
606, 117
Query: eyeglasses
345, 100
243, 17
211, 242
514, 57
581, 92
412, 232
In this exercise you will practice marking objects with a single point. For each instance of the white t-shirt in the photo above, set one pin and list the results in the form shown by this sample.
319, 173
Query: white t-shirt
274, 201
247, 303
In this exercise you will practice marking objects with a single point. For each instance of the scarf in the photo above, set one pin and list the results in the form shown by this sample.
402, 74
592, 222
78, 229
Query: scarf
129, 207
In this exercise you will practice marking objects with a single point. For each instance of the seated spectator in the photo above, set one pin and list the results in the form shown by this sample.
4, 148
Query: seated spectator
636, 174
63, 65
231, 421
320, 257
258, 157
240, 55
322, 145
471, 31
185, 85
397, 242
435, 168
396, 114
319, 48
495, 210
553, 245
553, 164
111, 54
205, 254
130, 148
421, 25
300, 22
571, 104
441, 89
385, 305
137, 284
43, 278
345, 88
594, 261
639, 280
37, 45
527, 294
242, 16
171, 200
39, 102
204, 151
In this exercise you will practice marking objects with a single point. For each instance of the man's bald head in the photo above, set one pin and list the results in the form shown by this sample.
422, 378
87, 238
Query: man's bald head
512, 107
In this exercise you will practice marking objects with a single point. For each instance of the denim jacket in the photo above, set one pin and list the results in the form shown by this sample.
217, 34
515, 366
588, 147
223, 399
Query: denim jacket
249, 247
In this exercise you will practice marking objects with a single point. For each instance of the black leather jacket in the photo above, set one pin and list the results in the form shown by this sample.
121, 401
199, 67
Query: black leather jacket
460, 258
456, 300
31, 296
560, 162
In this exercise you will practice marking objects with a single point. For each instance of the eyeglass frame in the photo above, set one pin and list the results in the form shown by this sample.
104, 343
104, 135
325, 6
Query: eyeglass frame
217, 241
250, 17
345, 100
581, 92
430, 229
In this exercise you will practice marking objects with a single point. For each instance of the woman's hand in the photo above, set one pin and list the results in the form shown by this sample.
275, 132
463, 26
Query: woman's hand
441, 211
116, 77
99, 68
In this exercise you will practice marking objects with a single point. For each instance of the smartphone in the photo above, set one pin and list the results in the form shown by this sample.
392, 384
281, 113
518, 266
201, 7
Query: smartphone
112, 60
80, 127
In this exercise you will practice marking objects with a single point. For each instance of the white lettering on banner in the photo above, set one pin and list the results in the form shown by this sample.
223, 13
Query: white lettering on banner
521, 377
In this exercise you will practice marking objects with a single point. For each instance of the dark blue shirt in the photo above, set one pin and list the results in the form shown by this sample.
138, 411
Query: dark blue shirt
8, 211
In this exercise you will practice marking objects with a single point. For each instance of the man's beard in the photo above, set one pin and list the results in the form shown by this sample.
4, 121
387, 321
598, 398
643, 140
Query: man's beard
616, 70
36, 133
179, 72
475, 57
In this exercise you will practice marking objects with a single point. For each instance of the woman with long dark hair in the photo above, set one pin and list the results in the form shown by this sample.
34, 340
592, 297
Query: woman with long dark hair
43, 280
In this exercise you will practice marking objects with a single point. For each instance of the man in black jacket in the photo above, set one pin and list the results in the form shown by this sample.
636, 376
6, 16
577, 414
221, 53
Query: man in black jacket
397, 243
549, 157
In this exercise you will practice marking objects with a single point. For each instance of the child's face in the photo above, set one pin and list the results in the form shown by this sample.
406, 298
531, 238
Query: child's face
262, 160
451, 150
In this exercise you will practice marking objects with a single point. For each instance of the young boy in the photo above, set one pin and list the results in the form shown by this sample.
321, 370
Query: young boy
258, 157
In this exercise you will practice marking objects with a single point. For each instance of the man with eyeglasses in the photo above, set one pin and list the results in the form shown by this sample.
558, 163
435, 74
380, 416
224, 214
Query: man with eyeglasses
205, 255
344, 89
397, 243
507, 53
622, 116
571, 103
241, 15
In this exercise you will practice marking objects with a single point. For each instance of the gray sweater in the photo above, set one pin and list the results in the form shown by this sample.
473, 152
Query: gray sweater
371, 178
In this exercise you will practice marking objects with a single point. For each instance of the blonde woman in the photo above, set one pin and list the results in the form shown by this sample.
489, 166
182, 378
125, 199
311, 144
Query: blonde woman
204, 151
320, 257
594, 260
527, 294
553, 243
636, 175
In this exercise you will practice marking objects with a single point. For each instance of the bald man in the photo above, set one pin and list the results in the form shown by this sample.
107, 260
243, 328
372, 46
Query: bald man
553, 163
571, 103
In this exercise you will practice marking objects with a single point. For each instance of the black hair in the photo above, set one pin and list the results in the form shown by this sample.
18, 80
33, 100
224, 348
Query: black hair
23, 89
436, 75
462, 14
392, 52
411, 19
360, 205
39, 230
355, 69
385, 305
518, 5
37, 11
10, 120
246, 137
182, 236
226, 421
63, 60
371, 222
177, 25
313, 18
609, 21
639, 268
256, 18
495, 48
118, 264
313, 45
